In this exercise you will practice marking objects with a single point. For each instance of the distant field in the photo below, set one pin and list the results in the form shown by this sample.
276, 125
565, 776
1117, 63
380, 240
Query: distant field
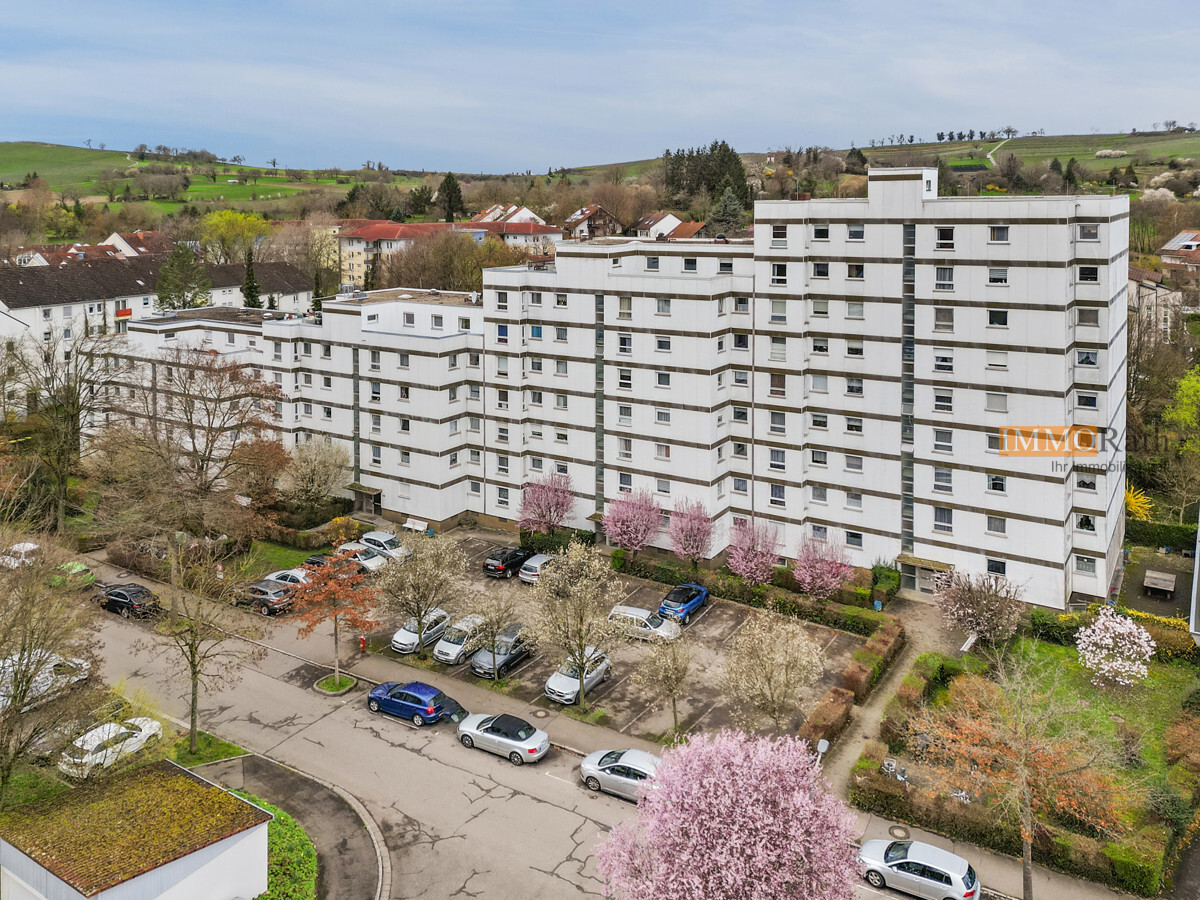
59, 166
634, 169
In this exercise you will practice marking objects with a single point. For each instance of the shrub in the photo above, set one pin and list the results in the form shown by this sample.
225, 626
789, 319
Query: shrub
1057, 628
1191, 702
1160, 534
1171, 644
885, 577
1171, 806
893, 728
1130, 741
1079, 855
1115, 649
556, 542
858, 676
1182, 740
291, 856
290, 537
829, 717
1138, 861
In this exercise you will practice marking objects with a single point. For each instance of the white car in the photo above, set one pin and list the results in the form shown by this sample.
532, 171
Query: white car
52, 675
644, 623
456, 643
563, 685
288, 576
107, 744
386, 544
17, 555
533, 568
370, 559
434, 624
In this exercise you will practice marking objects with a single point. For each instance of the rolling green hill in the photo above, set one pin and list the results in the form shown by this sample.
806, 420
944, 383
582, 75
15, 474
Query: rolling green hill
57, 165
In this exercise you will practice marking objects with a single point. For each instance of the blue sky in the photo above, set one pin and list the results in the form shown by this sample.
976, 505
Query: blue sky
501, 86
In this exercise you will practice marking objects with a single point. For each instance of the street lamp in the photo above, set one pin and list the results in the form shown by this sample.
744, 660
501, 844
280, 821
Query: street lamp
822, 749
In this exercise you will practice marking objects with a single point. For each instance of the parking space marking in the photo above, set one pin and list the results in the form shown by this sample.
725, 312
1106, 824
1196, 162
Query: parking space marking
523, 665
831, 640
630, 723
556, 778
703, 716
733, 633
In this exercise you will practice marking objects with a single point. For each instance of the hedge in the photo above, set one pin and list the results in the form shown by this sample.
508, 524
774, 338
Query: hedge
1160, 534
290, 537
872, 659
557, 541
829, 717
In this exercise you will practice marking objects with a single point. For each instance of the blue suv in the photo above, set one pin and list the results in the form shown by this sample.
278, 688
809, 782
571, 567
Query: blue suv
416, 701
682, 601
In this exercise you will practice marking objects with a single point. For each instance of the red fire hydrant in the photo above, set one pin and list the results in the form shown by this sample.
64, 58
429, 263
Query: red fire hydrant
362, 644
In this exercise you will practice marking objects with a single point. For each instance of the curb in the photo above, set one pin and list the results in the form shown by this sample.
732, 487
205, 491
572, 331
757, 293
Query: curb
565, 749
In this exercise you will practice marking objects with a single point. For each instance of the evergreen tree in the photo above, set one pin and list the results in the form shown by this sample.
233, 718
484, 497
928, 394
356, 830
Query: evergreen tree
371, 276
856, 162
728, 215
1130, 175
182, 281
272, 302
250, 290
419, 199
1069, 175
1056, 166
450, 197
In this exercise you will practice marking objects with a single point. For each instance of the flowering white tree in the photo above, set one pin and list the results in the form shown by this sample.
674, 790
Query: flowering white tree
771, 664
988, 606
545, 504
734, 817
1116, 649
821, 567
631, 521
691, 531
753, 550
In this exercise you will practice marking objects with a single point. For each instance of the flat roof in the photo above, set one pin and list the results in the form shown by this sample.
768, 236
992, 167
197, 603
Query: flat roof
237, 314
408, 295
107, 832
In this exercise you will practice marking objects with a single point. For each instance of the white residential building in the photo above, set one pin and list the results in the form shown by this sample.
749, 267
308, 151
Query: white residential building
847, 375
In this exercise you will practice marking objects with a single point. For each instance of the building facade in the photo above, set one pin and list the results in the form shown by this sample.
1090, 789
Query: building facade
865, 371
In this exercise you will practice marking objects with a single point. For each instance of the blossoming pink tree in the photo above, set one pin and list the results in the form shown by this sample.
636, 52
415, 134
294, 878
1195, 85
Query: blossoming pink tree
753, 550
691, 531
821, 567
734, 817
545, 504
1116, 649
631, 521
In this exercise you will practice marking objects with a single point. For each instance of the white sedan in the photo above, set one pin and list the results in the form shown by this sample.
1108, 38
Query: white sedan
107, 744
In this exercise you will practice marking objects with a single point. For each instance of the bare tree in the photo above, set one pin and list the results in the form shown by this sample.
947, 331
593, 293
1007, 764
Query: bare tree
427, 580
318, 469
664, 672
771, 664
988, 606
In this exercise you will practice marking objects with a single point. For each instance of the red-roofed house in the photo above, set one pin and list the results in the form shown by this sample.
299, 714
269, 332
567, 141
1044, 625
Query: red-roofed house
685, 230
507, 212
592, 221
653, 225
1182, 252
361, 244
140, 243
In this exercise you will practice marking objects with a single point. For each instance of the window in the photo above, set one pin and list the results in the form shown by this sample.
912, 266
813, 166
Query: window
663, 307
501, 303
652, 263
853, 500
1089, 317
820, 345
854, 463
943, 319
943, 440
376, 456
778, 312
410, 319
778, 384
535, 463
741, 304
741, 378
943, 479
625, 308
1087, 357
741, 450
819, 494
820, 232
502, 399
778, 423
854, 347
502, 465
560, 468
476, 487
472, 360
996, 525
720, 345
624, 448
473, 391
998, 234
855, 232
944, 278
997, 318
1086, 401
944, 238
997, 276
327, 383
625, 483
943, 361
535, 364
778, 348
1089, 274
624, 415
820, 384
502, 366
996, 403
1085, 482
778, 273
778, 460
625, 378
502, 434
1085, 522
535, 398
778, 235
993, 443
473, 423
820, 307
436, 322
376, 391
625, 343
662, 485
535, 332
740, 485
1089, 232
663, 379
560, 301
820, 420
502, 496
453, 361
662, 451
307, 409
820, 270
403, 361
741, 342
406, 425
856, 271
997, 484
560, 367
997, 359
854, 309
560, 401
853, 538
232, 338
854, 386
689, 264
307, 379
1085, 565
943, 519
560, 334
741, 414
327, 412
662, 342
501, 334
662, 416
820, 457
943, 400
778, 495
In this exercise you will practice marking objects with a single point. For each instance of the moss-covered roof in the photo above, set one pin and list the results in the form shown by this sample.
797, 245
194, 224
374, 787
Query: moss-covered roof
103, 834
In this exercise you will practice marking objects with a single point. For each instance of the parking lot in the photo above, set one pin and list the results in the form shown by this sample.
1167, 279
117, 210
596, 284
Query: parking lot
618, 703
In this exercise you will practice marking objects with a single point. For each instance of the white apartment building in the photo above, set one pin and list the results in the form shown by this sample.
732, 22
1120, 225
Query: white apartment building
845, 375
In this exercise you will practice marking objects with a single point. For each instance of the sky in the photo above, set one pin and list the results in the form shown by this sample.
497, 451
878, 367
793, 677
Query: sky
505, 87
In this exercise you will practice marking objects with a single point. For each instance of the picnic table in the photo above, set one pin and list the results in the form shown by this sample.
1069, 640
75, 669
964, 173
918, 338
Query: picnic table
1159, 581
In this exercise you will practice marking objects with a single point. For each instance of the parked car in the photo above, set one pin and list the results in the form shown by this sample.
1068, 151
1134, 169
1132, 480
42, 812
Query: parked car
504, 735
507, 561
532, 570
107, 744
682, 601
919, 869
73, 574
52, 675
387, 544
364, 555
48, 745
512, 646
288, 576
433, 626
456, 641
129, 599
22, 554
563, 685
320, 559
416, 701
620, 772
644, 623
267, 598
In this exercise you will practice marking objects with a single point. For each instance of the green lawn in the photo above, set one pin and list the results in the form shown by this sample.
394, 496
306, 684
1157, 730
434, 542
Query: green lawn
265, 557
30, 783
59, 166
330, 683
291, 856
210, 749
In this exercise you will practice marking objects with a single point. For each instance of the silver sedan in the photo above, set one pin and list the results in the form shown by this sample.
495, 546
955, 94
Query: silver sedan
620, 772
504, 735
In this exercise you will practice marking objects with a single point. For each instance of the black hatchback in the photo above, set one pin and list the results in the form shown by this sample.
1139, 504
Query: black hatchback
129, 600
507, 561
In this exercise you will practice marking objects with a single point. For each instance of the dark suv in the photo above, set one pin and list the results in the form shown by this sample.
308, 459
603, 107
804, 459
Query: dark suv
266, 598
507, 561
129, 600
